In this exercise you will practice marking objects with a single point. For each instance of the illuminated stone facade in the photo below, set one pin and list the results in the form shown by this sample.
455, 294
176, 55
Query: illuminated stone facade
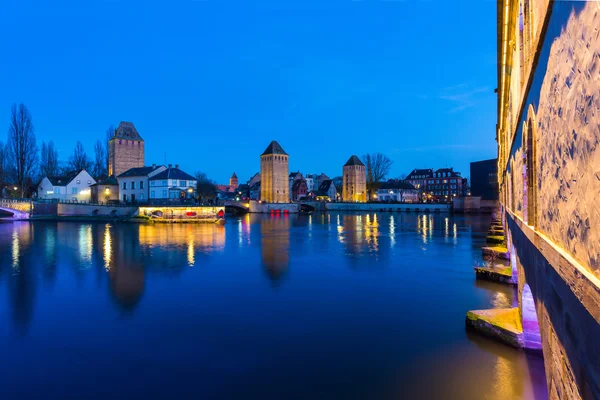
549, 177
274, 172
125, 150
233, 182
354, 181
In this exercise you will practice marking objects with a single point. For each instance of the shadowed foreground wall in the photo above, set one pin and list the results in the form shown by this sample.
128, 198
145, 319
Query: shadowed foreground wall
549, 174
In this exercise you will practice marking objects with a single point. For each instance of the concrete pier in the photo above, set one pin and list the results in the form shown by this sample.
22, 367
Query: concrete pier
496, 273
503, 324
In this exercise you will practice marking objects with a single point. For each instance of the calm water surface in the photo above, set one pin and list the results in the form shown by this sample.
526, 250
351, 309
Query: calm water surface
335, 306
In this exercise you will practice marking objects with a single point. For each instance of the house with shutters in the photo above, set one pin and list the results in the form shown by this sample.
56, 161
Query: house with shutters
172, 185
134, 184
70, 187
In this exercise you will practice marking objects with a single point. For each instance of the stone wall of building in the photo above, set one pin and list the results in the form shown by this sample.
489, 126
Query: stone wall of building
354, 183
274, 172
124, 154
567, 303
562, 114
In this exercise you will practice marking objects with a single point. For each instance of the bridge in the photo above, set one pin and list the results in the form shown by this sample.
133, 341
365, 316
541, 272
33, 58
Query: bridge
548, 175
237, 206
19, 208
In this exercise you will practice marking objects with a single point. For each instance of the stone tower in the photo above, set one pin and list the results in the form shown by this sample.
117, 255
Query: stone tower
355, 181
274, 171
233, 181
125, 149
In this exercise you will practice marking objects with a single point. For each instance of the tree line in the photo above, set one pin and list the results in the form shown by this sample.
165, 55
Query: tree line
23, 164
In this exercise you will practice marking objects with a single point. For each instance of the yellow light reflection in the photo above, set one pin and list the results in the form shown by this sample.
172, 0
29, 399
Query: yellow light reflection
190, 249
15, 250
392, 231
107, 247
85, 243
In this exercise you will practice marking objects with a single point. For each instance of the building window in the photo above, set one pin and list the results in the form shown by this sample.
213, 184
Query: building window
141, 184
182, 183
133, 185
125, 198
78, 181
142, 196
164, 195
152, 183
124, 185
152, 194
74, 190
164, 183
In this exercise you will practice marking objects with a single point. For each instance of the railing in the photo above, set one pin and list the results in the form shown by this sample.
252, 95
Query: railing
23, 205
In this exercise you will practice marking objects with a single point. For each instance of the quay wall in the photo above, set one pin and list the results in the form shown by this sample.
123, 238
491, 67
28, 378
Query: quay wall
88, 210
415, 207
265, 208
567, 304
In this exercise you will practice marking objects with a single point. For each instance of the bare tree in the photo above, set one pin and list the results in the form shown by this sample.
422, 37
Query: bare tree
52, 159
48, 160
79, 159
43, 160
110, 132
21, 146
100, 163
378, 166
3, 164
205, 188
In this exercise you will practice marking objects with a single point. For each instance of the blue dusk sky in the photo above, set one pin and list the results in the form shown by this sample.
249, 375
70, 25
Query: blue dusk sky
212, 82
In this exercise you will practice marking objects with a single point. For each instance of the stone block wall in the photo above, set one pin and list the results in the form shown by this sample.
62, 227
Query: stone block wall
124, 154
567, 301
553, 182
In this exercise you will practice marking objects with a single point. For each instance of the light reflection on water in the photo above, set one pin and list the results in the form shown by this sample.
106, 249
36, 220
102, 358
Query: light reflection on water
358, 305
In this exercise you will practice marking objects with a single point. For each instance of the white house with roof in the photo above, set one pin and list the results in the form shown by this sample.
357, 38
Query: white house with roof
396, 190
172, 184
72, 187
327, 191
134, 185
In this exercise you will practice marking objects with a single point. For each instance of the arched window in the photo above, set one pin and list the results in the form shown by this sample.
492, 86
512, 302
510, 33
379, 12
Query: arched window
530, 176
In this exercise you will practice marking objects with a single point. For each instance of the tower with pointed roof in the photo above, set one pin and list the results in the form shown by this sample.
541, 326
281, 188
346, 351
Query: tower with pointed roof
274, 172
233, 181
125, 149
354, 181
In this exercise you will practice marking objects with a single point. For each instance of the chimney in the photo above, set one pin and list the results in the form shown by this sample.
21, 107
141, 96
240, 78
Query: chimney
170, 165
177, 166
153, 165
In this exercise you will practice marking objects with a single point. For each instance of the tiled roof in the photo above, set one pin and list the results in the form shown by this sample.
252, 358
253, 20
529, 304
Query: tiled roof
111, 180
126, 130
172, 173
141, 171
354, 161
324, 187
274, 148
396, 184
61, 180
420, 172
298, 183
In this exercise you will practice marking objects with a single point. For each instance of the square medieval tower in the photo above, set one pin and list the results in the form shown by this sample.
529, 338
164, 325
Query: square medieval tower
125, 150
354, 181
274, 171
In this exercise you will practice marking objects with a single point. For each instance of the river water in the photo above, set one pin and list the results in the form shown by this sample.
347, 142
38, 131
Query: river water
324, 306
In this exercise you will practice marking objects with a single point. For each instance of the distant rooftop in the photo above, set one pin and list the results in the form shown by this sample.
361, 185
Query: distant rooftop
126, 130
274, 148
354, 161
